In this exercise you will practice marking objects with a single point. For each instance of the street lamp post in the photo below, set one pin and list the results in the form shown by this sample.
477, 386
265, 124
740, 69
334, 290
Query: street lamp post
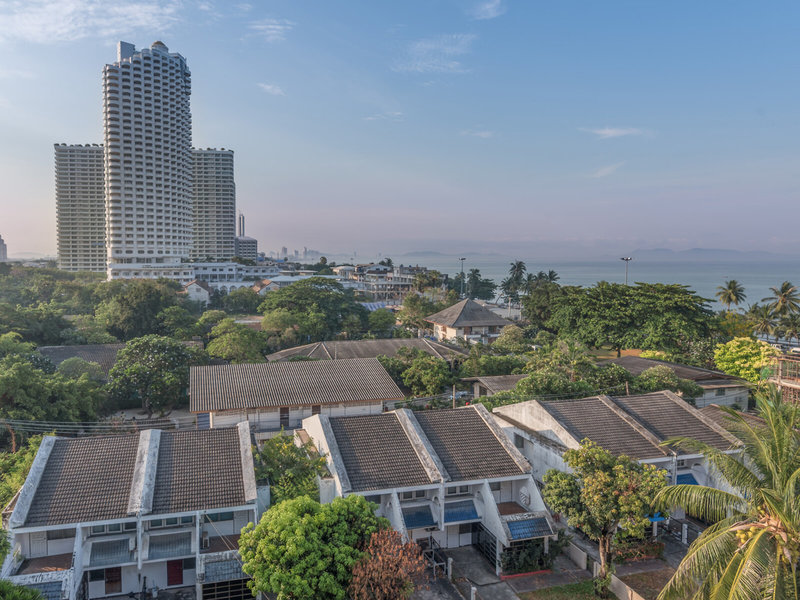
627, 259
462, 276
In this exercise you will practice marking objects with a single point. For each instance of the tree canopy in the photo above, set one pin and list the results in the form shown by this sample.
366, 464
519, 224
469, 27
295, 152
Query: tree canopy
291, 469
304, 550
745, 357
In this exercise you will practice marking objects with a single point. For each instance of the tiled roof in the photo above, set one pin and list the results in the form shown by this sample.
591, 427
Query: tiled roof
104, 355
499, 383
467, 313
366, 349
198, 470
91, 479
230, 387
597, 420
466, 445
377, 453
86, 479
635, 365
667, 416
721, 418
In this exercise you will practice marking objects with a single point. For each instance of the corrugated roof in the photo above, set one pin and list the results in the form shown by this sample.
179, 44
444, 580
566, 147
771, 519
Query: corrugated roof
597, 420
365, 349
198, 470
229, 387
636, 365
377, 453
104, 355
466, 445
499, 383
667, 416
467, 313
87, 479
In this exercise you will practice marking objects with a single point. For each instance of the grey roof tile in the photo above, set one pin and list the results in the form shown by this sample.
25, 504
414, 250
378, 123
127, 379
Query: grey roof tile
467, 313
342, 349
229, 387
636, 365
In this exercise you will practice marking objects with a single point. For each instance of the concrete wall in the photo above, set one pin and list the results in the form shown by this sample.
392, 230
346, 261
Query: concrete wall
738, 395
270, 418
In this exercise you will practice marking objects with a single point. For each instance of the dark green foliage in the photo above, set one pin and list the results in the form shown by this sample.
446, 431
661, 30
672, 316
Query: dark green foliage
243, 301
304, 550
152, 372
134, 312
14, 467
423, 374
236, 343
176, 322
9, 591
525, 557
290, 469
381, 322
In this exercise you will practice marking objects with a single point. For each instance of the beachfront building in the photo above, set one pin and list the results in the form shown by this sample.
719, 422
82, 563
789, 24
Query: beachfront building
635, 426
135, 514
444, 478
279, 395
80, 207
467, 320
718, 387
213, 205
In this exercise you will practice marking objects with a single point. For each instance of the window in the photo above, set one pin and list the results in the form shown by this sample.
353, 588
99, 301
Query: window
114, 528
494, 486
156, 523
720, 392
97, 575
98, 530
171, 522
457, 489
284, 416
188, 564
519, 441
216, 517
419, 494
187, 520
60, 534
315, 409
408, 495
129, 526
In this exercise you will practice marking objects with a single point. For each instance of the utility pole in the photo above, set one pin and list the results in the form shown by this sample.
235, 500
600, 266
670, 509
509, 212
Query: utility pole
627, 259
462, 276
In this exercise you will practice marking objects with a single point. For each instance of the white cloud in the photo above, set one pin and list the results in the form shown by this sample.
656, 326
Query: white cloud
244, 7
606, 171
386, 116
484, 134
613, 132
437, 54
272, 30
272, 89
205, 6
53, 21
488, 10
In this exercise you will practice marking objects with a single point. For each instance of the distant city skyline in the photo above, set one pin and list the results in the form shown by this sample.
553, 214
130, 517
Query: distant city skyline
499, 125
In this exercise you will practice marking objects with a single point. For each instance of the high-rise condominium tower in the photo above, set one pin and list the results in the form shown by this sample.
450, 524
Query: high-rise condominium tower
3, 250
80, 207
214, 205
148, 163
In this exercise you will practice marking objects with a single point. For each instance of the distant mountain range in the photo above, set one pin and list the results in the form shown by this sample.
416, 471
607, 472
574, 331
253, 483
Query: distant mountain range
710, 255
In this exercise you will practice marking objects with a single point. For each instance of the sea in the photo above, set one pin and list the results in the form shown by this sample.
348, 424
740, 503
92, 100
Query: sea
702, 276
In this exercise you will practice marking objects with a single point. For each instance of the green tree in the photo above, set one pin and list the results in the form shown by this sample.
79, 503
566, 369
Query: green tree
152, 371
74, 367
762, 320
9, 591
731, 293
427, 375
11, 343
208, 320
304, 550
662, 377
134, 312
236, 343
538, 303
243, 301
790, 325
601, 495
381, 322
785, 299
512, 340
14, 468
415, 309
753, 548
291, 469
745, 357
479, 287
176, 322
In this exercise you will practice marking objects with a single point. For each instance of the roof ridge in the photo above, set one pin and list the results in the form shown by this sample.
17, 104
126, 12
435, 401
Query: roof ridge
639, 427
416, 436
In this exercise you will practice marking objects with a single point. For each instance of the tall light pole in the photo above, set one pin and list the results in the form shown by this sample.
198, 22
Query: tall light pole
462, 276
627, 259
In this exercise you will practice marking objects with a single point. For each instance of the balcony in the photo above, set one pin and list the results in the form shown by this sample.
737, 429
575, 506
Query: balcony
172, 545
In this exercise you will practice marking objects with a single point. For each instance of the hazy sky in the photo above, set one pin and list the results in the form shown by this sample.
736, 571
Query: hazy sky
449, 125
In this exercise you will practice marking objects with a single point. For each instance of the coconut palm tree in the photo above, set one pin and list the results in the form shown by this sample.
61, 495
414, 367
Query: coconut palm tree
731, 293
784, 300
753, 548
762, 319
552, 276
790, 326
517, 272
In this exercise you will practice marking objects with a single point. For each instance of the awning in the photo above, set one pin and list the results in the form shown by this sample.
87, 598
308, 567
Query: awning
416, 517
463, 510
527, 529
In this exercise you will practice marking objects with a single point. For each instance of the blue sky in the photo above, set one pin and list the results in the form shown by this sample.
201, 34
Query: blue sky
449, 125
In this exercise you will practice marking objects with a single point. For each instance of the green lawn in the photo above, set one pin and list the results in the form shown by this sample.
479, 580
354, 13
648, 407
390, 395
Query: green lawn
573, 591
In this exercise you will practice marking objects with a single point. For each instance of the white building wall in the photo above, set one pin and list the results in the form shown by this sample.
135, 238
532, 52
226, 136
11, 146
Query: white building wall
214, 204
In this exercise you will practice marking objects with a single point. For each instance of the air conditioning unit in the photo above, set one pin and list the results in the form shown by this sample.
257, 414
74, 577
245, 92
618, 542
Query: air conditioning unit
205, 541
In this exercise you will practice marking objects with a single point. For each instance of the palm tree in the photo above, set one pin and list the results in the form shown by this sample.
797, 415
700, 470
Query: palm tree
762, 318
753, 548
552, 276
517, 272
731, 293
473, 282
790, 326
784, 300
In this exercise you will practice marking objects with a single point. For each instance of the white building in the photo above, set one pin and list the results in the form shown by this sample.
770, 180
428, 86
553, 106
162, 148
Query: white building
214, 205
467, 320
198, 291
230, 276
636, 426
277, 395
148, 163
444, 478
120, 515
80, 207
3, 250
